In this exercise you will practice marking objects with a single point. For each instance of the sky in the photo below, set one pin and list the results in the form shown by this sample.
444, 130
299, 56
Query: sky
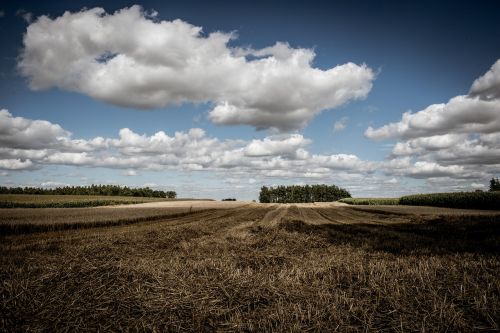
216, 99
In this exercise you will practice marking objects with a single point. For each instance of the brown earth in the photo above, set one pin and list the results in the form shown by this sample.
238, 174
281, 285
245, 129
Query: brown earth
241, 266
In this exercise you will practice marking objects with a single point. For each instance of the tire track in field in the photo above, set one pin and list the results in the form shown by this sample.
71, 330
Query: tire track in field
235, 222
312, 216
372, 218
237, 226
327, 214
202, 217
346, 215
273, 217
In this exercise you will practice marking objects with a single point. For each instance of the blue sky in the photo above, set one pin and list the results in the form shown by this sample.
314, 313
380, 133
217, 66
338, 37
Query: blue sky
404, 57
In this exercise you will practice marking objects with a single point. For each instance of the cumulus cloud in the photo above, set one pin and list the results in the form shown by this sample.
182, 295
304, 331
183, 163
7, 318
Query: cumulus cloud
462, 114
457, 139
488, 86
477, 112
130, 173
274, 156
340, 124
278, 145
15, 164
423, 169
158, 63
30, 136
18, 132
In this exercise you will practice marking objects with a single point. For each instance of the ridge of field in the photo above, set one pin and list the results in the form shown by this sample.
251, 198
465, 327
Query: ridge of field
256, 267
26, 220
370, 201
72, 201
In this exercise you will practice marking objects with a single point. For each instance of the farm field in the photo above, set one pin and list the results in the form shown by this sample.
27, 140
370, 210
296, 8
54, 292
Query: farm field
61, 201
240, 266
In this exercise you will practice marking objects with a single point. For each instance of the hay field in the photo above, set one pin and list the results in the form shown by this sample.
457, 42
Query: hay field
252, 267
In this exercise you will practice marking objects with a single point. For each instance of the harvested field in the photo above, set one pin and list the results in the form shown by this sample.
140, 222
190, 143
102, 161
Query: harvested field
236, 266
68, 201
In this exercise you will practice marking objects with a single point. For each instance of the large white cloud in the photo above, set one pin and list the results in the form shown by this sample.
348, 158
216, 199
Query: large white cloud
462, 114
457, 139
18, 132
157, 63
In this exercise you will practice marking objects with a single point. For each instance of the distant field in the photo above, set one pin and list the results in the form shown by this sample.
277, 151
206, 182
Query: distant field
67, 201
232, 266
27, 220
460, 200
475, 200
370, 201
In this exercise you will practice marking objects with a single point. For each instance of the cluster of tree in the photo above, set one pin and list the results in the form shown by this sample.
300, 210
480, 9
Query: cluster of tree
494, 184
92, 190
298, 193
229, 199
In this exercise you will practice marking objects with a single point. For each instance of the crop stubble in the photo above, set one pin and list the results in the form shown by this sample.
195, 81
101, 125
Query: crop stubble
255, 268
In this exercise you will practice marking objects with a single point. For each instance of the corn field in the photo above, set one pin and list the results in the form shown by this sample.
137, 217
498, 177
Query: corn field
471, 200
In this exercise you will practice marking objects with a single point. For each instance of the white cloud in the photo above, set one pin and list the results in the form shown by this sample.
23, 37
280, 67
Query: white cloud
158, 63
340, 124
422, 169
425, 144
32, 136
273, 156
52, 184
478, 112
249, 163
18, 132
2, 13
277, 145
459, 139
488, 86
15, 164
462, 114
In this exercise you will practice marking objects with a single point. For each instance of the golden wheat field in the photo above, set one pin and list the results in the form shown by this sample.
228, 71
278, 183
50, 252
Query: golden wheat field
236, 266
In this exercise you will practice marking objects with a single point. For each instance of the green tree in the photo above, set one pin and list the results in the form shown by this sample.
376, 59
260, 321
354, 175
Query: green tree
494, 184
264, 196
171, 194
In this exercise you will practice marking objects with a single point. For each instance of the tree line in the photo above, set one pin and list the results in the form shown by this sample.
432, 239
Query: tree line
92, 190
302, 193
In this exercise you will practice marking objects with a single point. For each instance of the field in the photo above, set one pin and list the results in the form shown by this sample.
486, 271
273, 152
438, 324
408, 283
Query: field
371, 201
233, 266
66, 201
468, 200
